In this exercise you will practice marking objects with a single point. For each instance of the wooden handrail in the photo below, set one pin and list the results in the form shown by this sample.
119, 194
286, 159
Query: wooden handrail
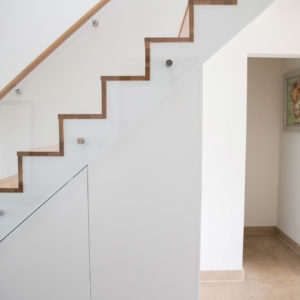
52, 47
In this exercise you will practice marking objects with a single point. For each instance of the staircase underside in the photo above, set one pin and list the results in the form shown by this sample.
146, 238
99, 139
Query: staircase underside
14, 184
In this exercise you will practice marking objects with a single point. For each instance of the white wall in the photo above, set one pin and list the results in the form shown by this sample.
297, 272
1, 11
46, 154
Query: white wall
47, 257
145, 193
28, 27
224, 130
264, 110
289, 188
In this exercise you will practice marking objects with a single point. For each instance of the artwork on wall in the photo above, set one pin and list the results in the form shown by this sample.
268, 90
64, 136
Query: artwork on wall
292, 101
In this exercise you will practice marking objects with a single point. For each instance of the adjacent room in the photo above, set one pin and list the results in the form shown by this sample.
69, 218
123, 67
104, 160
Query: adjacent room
272, 223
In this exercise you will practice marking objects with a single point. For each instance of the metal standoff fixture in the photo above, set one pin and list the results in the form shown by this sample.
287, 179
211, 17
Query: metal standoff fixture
169, 62
18, 92
80, 141
95, 22
1, 212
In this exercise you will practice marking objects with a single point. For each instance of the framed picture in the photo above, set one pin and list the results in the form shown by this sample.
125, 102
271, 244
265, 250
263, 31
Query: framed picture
292, 101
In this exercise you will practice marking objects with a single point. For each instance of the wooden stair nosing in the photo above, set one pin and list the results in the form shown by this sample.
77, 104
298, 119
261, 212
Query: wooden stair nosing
105, 79
11, 181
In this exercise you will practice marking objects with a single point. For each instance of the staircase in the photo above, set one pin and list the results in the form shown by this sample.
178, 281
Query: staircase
24, 191
14, 184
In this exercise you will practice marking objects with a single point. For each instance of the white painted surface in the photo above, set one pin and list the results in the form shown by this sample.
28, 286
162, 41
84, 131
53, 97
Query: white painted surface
145, 193
47, 257
289, 193
224, 131
28, 27
263, 140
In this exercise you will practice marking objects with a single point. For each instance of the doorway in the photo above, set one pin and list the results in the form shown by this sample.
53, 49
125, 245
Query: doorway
272, 193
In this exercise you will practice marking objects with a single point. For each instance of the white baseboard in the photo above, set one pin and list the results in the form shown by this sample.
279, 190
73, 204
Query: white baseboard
273, 230
219, 276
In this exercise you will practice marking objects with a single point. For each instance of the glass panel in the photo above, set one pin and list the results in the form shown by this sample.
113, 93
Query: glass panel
68, 83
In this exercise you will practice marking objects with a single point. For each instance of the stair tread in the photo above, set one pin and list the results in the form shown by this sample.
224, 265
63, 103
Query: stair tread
54, 148
9, 182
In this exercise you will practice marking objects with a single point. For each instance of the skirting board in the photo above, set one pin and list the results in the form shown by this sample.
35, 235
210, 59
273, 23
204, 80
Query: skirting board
288, 241
260, 230
219, 276
271, 230
239, 275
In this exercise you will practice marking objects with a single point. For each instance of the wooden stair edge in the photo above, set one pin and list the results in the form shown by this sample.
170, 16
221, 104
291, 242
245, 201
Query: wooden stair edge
201, 2
104, 80
184, 22
45, 151
67, 34
9, 182
54, 148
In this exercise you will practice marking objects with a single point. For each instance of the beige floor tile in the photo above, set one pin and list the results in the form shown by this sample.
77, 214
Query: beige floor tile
272, 272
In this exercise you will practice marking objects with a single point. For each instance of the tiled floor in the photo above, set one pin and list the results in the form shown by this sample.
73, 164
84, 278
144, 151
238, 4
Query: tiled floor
272, 272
